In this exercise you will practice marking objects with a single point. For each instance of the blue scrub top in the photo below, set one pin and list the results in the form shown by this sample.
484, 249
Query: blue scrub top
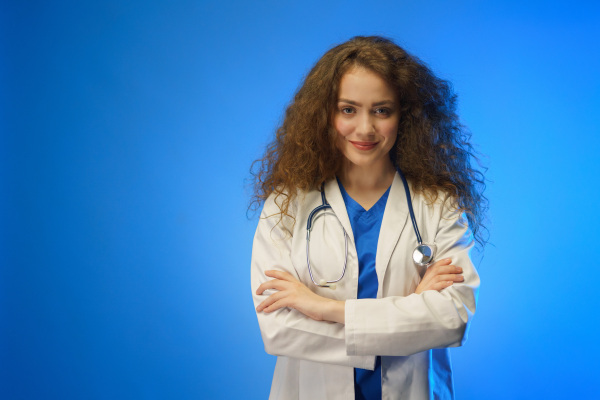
365, 228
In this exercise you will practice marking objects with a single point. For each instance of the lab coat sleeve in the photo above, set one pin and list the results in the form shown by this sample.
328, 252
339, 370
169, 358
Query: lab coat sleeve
404, 325
287, 332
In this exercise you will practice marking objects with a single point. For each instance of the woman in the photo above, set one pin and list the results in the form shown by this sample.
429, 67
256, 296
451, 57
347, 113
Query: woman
367, 114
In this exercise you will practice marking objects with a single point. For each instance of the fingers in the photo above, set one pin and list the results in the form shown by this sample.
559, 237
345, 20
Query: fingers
285, 276
443, 267
448, 277
439, 267
444, 261
291, 293
276, 284
276, 300
440, 285
281, 303
444, 273
264, 306
440, 275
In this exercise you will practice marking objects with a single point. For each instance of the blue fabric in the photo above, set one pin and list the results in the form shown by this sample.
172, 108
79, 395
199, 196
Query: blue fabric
365, 227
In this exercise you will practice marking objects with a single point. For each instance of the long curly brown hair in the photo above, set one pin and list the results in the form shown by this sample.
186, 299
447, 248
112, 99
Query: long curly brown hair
432, 149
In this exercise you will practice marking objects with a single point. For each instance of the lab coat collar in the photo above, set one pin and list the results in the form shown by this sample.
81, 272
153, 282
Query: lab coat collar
335, 199
394, 221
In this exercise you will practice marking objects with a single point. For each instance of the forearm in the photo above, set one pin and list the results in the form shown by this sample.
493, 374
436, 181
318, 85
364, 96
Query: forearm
288, 332
404, 325
334, 311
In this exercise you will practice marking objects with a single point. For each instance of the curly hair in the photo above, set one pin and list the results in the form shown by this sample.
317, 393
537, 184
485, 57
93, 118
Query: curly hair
432, 148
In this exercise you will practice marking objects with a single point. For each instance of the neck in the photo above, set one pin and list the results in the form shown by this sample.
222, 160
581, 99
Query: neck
368, 178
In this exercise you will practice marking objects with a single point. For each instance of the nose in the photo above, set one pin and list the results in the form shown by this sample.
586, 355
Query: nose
366, 124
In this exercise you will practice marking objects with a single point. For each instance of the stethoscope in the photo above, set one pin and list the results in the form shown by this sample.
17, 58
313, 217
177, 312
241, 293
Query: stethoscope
423, 254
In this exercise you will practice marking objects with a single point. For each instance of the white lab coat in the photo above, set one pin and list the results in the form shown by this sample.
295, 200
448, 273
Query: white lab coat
411, 332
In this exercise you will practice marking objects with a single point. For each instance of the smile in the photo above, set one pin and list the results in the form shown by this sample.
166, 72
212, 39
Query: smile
364, 145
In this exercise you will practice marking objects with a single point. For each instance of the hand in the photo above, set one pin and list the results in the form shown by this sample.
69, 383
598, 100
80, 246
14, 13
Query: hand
439, 276
294, 294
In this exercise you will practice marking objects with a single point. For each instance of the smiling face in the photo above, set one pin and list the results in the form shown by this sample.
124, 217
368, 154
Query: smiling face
366, 119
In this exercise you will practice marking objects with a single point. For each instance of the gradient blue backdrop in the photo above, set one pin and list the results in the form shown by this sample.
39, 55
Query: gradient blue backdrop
127, 132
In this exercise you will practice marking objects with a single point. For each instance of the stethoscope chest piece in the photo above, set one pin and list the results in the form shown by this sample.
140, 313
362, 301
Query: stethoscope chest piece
424, 254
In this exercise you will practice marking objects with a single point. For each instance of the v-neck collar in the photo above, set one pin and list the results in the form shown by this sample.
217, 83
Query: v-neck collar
394, 221
355, 205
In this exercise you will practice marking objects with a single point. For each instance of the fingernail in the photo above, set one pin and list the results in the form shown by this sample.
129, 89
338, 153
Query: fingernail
459, 269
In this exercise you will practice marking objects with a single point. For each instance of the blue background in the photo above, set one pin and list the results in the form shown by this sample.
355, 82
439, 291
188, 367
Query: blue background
127, 133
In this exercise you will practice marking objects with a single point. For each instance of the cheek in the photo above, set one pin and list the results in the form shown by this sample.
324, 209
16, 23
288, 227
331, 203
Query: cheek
391, 134
342, 127
391, 130
340, 141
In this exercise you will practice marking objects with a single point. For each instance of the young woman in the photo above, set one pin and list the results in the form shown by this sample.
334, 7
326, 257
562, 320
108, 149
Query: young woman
372, 161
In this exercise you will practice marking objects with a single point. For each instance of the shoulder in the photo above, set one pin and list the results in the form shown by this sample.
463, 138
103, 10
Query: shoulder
283, 208
442, 222
277, 200
438, 206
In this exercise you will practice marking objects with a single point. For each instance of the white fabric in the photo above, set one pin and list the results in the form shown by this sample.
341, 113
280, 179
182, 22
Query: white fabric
411, 332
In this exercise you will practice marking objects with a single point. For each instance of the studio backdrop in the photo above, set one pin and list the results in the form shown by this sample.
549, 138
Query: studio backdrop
127, 132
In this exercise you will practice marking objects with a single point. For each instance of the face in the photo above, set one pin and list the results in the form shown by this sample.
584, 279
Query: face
366, 118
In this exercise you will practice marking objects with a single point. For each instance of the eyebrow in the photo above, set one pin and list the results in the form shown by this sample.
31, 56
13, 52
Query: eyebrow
355, 103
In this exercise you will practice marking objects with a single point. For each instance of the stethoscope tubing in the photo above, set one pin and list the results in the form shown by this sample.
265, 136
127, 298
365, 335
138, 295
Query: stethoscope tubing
418, 254
311, 218
410, 207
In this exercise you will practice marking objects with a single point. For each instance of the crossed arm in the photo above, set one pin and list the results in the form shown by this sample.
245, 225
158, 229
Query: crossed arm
293, 294
299, 323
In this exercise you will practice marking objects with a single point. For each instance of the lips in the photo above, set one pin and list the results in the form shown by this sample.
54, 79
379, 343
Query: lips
364, 146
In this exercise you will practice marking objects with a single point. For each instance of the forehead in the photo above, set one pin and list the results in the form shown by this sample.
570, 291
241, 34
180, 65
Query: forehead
361, 83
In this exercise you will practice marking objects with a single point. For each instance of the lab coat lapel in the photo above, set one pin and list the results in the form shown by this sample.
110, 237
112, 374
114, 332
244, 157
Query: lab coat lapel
335, 199
394, 222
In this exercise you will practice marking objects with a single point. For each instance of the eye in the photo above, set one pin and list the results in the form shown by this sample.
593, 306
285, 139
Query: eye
346, 110
382, 111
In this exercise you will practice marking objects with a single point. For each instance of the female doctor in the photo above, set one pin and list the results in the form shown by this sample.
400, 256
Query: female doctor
361, 271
